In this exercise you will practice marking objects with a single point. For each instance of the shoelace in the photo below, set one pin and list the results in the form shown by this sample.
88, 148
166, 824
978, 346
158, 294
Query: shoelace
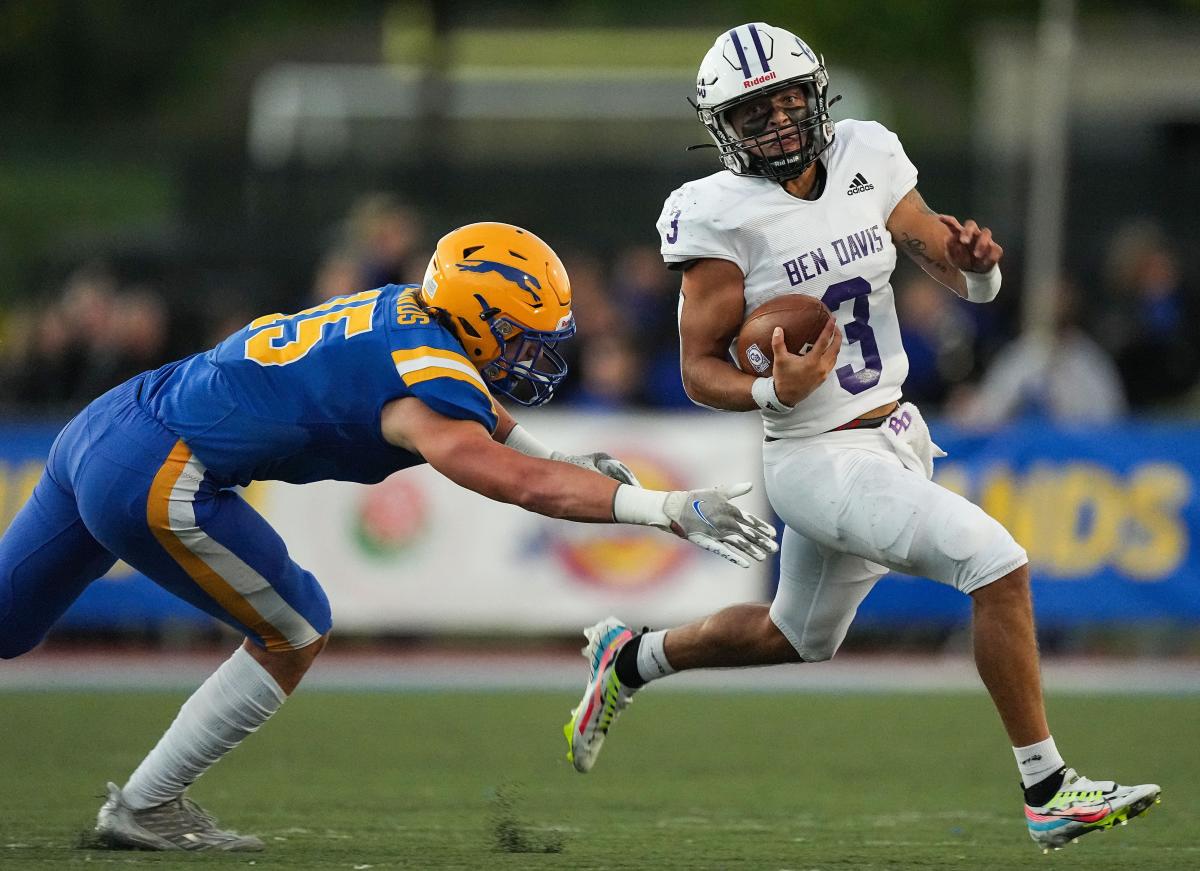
169, 818
182, 816
1064, 799
205, 820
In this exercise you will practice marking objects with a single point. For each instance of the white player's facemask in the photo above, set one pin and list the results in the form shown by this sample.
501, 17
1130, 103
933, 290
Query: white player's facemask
776, 133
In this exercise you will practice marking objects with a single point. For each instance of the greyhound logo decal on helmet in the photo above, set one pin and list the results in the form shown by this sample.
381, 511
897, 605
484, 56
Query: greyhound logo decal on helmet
519, 277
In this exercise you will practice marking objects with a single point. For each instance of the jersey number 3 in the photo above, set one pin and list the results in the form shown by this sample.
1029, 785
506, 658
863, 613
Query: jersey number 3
283, 339
858, 330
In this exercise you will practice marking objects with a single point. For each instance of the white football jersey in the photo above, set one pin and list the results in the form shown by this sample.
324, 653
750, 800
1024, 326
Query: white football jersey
836, 248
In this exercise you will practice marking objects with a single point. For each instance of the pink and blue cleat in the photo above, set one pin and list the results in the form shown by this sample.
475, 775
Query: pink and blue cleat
1082, 805
603, 699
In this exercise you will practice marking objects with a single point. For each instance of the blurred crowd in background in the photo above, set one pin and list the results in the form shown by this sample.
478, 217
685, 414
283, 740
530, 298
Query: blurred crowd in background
172, 171
1123, 346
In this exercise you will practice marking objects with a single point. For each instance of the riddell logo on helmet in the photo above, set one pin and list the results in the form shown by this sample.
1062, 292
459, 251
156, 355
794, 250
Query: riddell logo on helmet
758, 80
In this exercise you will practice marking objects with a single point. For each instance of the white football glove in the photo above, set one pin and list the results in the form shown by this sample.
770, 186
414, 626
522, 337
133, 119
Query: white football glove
600, 462
708, 519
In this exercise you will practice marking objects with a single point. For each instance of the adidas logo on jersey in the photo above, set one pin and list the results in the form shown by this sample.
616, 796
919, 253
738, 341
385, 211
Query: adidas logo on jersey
859, 185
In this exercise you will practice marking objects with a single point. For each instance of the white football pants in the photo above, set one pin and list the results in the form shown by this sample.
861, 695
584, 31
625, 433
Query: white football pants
853, 511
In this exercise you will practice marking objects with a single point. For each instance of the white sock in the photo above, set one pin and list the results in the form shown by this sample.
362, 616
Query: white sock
651, 660
1037, 761
236, 699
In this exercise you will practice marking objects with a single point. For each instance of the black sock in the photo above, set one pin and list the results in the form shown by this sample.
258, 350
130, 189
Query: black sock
1042, 791
626, 666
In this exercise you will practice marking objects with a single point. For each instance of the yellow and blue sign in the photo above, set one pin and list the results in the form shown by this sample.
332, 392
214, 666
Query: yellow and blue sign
1108, 515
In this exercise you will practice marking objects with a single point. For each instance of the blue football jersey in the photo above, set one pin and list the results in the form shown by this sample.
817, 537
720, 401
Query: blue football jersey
298, 397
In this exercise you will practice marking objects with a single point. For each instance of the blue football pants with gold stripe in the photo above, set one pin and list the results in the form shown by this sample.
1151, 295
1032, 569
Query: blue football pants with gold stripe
118, 484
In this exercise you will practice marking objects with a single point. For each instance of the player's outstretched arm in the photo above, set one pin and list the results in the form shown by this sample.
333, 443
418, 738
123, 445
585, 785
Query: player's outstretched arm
964, 257
466, 453
511, 434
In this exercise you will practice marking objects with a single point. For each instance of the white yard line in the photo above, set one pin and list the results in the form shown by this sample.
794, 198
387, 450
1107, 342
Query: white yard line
481, 670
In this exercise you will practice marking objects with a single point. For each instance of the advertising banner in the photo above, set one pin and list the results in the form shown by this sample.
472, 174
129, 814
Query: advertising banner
1108, 515
418, 553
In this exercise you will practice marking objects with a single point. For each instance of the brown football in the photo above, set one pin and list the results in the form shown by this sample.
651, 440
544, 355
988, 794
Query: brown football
802, 318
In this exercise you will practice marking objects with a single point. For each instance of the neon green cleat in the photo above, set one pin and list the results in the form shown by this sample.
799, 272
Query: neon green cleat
603, 699
1082, 805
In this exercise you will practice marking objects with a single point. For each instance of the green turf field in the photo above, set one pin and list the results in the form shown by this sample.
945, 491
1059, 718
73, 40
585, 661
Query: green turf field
688, 781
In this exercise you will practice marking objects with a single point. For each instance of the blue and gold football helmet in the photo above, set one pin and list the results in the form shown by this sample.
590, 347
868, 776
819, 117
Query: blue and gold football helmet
505, 295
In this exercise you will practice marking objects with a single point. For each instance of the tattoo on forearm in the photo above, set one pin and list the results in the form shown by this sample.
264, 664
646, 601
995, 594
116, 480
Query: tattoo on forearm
918, 251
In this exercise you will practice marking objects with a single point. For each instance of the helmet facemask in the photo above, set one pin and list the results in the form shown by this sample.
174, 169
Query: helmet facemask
529, 367
750, 144
505, 296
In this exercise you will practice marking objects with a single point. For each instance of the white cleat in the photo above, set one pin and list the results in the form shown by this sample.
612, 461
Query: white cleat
603, 698
179, 824
1082, 805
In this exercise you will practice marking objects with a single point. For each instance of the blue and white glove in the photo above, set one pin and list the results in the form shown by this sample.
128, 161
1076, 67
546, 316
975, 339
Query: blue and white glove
704, 517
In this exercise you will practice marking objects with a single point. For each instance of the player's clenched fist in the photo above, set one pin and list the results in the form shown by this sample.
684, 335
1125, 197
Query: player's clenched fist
797, 375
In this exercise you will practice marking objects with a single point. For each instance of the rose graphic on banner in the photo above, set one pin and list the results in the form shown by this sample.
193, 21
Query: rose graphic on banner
392, 516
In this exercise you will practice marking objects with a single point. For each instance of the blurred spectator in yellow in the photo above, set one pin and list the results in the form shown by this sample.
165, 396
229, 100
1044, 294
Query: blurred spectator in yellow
938, 336
1151, 324
16, 336
42, 366
1068, 379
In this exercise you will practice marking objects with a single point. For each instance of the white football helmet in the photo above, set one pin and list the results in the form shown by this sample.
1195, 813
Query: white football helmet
738, 78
